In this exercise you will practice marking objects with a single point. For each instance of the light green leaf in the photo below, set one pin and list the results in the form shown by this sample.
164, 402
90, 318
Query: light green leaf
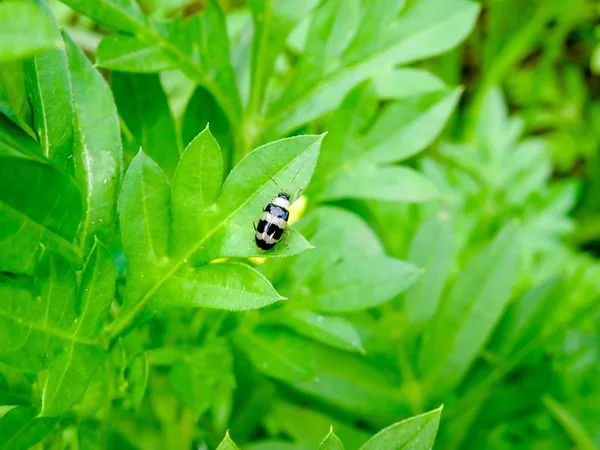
143, 106
137, 378
21, 429
388, 183
383, 40
333, 331
49, 87
40, 207
227, 443
273, 20
196, 188
278, 353
470, 312
129, 54
25, 29
331, 442
432, 250
572, 426
406, 82
123, 15
416, 433
98, 150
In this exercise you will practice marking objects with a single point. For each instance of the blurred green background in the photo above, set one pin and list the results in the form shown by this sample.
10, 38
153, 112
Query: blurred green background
496, 201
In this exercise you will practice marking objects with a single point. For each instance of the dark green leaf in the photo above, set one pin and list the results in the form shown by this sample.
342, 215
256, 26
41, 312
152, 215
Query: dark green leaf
278, 353
143, 106
25, 29
21, 429
416, 433
98, 149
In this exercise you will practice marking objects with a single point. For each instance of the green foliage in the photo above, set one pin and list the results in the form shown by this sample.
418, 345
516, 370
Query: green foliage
433, 258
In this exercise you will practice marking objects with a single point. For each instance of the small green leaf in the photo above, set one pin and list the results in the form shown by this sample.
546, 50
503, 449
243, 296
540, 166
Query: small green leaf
331, 442
98, 150
432, 250
137, 377
196, 188
404, 82
416, 433
227, 443
333, 331
143, 106
278, 353
49, 86
25, 29
123, 15
21, 429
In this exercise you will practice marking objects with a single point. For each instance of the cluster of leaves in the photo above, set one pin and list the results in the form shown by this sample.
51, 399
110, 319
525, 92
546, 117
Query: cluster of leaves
133, 312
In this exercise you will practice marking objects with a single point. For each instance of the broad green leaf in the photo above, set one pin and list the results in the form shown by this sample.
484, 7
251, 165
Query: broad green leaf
333, 331
40, 207
21, 428
344, 272
468, 315
127, 53
432, 250
143, 106
196, 188
416, 433
49, 87
25, 29
331, 442
355, 384
388, 183
98, 150
278, 353
383, 40
227, 443
406, 82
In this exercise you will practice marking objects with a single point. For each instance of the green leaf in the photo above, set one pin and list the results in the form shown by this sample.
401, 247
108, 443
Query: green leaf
353, 159
470, 312
202, 375
227, 443
143, 106
278, 353
123, 15
21, 429
49, 87
572, 426
175, 46
196, 188
344, 273
416, 433
129, 54
333, 331
98, 149
137, 378
432, 250
331, 442
401, 83
25, 29
40, 207
17, 104
383, 39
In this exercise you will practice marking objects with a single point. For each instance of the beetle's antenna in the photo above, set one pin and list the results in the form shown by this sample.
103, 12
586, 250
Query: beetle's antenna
267, 174
295, 175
